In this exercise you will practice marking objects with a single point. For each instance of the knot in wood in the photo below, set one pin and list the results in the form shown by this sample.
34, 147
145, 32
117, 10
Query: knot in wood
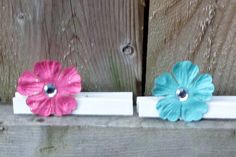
128, 50
21, 16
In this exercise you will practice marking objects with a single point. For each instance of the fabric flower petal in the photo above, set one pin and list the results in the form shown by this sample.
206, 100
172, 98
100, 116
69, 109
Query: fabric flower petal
169, 108
193, 110
64, 105
40, 104
69, 81
202, 88
29, 84
47, 70
164, 85
185, 72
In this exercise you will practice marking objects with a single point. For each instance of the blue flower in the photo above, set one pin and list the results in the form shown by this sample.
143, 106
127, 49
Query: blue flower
186, 92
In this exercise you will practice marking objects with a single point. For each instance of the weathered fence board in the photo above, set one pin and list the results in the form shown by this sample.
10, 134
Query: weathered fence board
198, 30
102, 37
112, 136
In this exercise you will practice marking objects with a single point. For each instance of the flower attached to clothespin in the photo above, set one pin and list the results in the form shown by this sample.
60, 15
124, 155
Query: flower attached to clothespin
185, 92
50, 89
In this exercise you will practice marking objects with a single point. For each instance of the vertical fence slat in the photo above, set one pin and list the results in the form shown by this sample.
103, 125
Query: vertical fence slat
103, 38
198, 30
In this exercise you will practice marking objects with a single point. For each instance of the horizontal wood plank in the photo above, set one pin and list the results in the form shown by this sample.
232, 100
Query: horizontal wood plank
87, 136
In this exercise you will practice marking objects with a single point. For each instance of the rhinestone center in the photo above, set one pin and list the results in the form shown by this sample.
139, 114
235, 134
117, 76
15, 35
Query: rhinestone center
50, 90
182, 94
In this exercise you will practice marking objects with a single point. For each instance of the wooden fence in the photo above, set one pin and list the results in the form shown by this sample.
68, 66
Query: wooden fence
103, 38
118, 45
200, 30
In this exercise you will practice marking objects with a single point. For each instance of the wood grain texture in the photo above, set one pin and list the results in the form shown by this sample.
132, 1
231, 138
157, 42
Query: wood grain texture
103, 38
198, 30
112, 136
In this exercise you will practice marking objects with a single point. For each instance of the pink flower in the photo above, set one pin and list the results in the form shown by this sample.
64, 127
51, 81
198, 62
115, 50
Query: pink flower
50, 89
